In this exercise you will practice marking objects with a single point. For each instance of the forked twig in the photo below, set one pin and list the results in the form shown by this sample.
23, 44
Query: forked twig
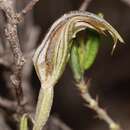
93, 104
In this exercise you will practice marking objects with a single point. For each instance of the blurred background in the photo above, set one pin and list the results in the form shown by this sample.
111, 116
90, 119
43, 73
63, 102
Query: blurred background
110, 73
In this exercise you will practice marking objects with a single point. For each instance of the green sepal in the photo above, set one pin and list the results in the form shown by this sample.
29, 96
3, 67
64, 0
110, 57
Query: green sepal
91, 49
75, 61
83, 53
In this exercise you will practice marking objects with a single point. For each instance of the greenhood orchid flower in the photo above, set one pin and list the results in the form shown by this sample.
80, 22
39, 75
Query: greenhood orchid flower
53, 54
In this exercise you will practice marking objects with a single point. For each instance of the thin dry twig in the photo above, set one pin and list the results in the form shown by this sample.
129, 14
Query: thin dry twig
28, 7
93, 104
20, 79
12, 37
29, 37
84, 5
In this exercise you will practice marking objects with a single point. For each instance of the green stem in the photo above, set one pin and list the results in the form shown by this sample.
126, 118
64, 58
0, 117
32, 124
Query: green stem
45, 100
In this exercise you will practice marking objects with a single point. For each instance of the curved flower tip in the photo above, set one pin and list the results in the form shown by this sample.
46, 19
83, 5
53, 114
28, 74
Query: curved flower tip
51, 56
97, 23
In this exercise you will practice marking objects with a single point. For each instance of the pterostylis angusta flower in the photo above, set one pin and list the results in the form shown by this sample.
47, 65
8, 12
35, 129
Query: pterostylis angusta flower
53, 54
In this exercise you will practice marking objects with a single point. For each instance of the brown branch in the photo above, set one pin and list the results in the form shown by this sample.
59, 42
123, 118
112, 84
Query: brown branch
28, 7
12, 37
84, 5
29, 35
